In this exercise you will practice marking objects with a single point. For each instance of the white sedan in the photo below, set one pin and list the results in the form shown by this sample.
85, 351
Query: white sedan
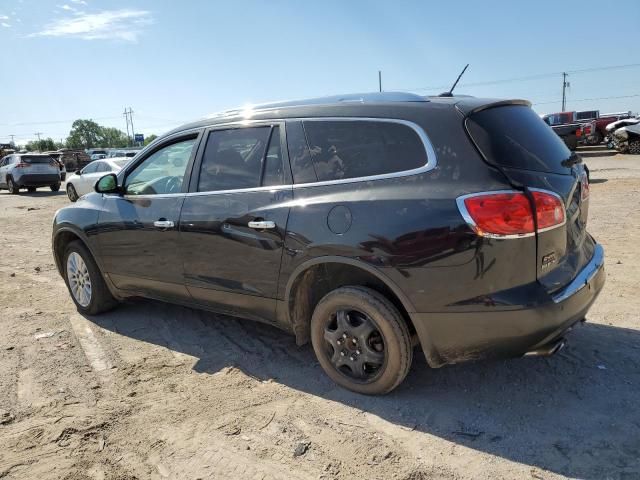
82, 182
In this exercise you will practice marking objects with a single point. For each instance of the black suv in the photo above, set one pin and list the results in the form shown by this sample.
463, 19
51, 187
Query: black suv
366, 224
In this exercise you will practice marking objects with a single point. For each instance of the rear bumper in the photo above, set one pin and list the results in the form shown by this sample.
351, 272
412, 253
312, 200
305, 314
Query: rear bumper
37, 179
504, 330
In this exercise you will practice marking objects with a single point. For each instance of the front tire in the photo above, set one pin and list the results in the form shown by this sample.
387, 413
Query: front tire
14, 189
85, 282
71, 192
634, 147
361, 340
55, 187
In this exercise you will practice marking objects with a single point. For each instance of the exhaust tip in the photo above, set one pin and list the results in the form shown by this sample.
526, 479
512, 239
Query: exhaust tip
548, 349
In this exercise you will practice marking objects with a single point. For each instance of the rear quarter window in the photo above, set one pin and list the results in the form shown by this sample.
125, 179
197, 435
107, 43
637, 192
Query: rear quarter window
343, 149
515, 137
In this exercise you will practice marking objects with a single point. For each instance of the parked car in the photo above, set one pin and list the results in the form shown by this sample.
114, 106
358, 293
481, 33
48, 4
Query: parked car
83, 181
564, 124
30, 171
365, 224
597, 129
129, 153
57, 156
98, 156
612, 127
626, 139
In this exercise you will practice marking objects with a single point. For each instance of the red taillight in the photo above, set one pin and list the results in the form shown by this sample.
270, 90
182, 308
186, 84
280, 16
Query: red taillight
579, 132
509, 214
549, 210
584, 187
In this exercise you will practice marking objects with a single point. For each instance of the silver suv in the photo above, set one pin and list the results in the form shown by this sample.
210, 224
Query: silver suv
29, 171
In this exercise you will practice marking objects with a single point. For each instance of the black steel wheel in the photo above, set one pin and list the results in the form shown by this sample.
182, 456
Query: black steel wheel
361, 340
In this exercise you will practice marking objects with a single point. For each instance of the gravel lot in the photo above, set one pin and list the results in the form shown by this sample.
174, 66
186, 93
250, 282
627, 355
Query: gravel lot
157, 391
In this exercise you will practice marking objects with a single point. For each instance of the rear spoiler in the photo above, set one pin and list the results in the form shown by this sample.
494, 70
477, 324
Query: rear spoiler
467, 107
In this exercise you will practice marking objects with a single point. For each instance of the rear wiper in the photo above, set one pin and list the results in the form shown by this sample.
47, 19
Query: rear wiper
573, 159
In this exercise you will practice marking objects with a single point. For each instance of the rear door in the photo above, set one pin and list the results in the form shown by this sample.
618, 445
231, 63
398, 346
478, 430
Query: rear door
234, 220
514, 139
138, 231
87, 178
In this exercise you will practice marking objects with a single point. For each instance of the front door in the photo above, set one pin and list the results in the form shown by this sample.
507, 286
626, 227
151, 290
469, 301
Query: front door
138, 231
233, 223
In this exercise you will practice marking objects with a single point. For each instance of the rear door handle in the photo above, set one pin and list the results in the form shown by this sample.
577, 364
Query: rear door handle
163, 224
262, 224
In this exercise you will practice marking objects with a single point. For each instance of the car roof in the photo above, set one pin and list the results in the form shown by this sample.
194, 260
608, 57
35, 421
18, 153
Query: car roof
376, 104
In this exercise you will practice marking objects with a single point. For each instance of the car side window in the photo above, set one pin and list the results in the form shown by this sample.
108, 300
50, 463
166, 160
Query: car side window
104, 167
361, 148
163, 171
234, 159
91, 168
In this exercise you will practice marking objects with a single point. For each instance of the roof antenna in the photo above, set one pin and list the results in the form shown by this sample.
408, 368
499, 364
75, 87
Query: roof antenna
450, 92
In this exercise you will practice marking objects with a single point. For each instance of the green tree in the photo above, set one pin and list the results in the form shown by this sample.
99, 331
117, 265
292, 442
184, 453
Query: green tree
42, 145
113, 138
150, 139
84, 134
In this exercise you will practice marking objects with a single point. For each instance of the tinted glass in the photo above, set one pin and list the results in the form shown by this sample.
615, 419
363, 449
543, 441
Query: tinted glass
104, 167
273, 172
91, 168
34, 159
233, 159
351, 149
162, 172
299, 154
514, 136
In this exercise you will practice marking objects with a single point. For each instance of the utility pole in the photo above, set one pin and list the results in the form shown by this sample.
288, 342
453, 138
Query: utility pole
12, 143
133, 132
380, 80
37, 134
126, 118
565, 84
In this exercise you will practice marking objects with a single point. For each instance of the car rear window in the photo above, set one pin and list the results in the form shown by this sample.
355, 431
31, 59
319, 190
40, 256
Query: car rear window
35, 159
515, 137
343, 149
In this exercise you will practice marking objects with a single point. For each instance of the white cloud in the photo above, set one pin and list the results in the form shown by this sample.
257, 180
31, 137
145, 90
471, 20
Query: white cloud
107, 25
4, 17
67, 7
5, 25
79, 2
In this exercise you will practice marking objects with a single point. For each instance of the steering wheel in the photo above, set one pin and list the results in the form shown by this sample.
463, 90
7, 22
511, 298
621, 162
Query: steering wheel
173, 185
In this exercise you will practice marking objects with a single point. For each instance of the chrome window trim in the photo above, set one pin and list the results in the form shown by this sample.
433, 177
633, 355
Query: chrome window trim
472, 224
424, 138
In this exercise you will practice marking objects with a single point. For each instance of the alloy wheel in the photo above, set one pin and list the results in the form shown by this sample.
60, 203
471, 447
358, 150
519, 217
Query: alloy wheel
79, 279
354, 345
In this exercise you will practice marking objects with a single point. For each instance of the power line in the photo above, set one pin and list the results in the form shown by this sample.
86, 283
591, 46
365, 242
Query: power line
590, 99
50, 122
529, 77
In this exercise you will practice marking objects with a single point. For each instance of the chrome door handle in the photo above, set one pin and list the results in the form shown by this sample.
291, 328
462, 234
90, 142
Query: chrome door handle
262, 224
163, 224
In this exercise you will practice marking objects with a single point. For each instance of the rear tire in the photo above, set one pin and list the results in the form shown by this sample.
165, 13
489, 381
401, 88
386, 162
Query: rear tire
81, 270
55, 187
13, 188
366, 348
71, 192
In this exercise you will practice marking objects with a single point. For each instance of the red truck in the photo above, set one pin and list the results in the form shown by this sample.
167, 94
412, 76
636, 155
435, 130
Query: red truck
596, 132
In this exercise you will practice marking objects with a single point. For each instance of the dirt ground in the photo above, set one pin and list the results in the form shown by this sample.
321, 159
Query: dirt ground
153, 391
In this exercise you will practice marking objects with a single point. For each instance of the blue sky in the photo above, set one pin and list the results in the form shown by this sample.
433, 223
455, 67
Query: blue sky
173, 61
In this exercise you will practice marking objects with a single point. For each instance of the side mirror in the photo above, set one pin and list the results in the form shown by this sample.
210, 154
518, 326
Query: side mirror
107, 184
